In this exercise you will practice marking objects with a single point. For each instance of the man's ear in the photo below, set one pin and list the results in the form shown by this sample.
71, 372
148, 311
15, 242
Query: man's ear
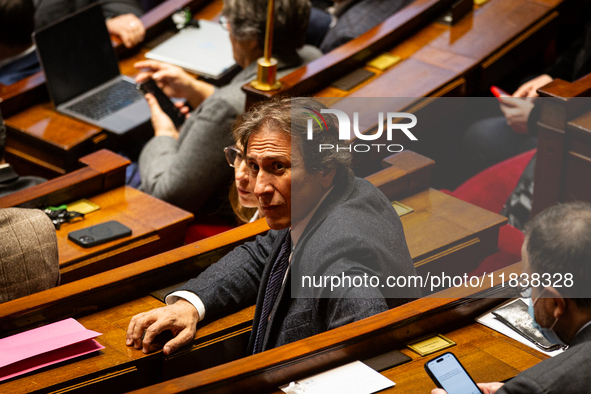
558, 302
327, 177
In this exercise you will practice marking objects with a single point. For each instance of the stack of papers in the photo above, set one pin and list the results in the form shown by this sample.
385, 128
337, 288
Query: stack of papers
353, 378
43, 346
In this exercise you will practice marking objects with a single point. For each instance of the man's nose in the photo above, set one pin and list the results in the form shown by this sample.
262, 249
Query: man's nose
263, 184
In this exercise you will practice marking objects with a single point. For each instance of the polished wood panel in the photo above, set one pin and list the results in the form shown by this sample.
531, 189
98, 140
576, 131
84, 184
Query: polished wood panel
355, 53
156, 225
101, 171
563, 164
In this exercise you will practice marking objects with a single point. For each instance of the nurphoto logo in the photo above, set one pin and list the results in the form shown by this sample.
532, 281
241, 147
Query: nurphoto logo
345, 130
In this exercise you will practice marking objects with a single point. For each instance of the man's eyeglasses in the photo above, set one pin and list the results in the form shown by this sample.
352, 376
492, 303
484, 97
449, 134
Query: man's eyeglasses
233, 155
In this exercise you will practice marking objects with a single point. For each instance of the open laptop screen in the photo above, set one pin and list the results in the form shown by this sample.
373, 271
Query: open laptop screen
76, 54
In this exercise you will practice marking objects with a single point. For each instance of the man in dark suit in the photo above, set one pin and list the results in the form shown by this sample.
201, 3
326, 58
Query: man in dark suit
558, 241
325, 223
348, 19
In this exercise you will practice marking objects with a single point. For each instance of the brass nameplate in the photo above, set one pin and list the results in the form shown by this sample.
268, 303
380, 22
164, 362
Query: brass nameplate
384, 61
401, 209
430, 344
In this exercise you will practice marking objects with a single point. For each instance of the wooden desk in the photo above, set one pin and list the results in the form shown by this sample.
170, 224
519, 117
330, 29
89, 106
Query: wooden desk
156, 227
563, 164
42, 142
487, 355
437, 60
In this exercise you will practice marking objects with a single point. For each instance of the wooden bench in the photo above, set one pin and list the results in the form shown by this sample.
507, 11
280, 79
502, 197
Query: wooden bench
563, 163
156, 225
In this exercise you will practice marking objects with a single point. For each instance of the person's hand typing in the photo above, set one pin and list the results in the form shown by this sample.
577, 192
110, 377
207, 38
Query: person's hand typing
180, 318
128, 28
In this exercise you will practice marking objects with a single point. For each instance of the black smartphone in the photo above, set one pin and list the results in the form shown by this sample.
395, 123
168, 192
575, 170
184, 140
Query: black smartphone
167, 106
99, 234
448, 374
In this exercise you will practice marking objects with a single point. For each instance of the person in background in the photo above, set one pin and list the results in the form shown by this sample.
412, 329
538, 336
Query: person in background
345, 20
10, 182
557, 242
18, 59
121, 16
244, 203
28, 253
187, 167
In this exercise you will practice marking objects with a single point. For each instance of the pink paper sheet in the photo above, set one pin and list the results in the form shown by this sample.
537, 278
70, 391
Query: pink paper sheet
43, 346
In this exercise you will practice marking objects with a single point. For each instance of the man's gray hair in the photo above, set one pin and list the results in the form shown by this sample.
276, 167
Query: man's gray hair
558, 242
291, 116
248, 19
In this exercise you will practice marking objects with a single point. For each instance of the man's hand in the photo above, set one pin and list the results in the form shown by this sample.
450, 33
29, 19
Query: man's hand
487, 388
180, 318
516, 111
174, 81
128, 28
529, 89
163, 125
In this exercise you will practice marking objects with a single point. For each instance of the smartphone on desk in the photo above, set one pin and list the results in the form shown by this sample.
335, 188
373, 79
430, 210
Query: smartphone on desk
99, 234
165, 103
448, 374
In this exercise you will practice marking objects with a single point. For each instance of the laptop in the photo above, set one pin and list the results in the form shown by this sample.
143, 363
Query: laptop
82, 73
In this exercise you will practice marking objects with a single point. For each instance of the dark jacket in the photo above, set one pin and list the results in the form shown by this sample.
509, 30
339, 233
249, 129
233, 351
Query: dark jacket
567, 373
355, 231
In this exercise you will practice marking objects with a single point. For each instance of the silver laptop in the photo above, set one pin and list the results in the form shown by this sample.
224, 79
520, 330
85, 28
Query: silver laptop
82, 73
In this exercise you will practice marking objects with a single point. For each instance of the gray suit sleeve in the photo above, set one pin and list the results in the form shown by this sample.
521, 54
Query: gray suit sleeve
233, 282
520, 385
188, 171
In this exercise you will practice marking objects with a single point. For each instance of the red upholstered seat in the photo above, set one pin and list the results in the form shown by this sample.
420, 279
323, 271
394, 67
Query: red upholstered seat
205, 227
490, 189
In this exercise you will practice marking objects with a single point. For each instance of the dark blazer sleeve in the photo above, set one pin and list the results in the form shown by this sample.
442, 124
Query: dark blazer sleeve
233, 282
48, 11
521, 385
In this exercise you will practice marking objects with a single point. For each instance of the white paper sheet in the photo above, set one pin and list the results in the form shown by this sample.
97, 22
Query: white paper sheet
489, 320
353, 378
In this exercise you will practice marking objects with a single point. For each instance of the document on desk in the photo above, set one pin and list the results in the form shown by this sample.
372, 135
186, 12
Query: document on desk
353, 378
43, 346
205, 50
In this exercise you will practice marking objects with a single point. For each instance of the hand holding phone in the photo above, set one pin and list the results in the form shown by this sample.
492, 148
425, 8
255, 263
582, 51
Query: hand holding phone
150, 86
499, 93
448, 374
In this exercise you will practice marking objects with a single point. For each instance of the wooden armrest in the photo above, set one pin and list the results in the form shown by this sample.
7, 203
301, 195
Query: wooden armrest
104, 170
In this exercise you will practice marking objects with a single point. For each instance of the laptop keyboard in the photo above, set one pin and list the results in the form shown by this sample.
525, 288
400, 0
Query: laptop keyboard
107, 101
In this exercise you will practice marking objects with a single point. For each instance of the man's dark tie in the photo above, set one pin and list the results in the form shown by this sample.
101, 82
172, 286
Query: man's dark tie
273, 286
